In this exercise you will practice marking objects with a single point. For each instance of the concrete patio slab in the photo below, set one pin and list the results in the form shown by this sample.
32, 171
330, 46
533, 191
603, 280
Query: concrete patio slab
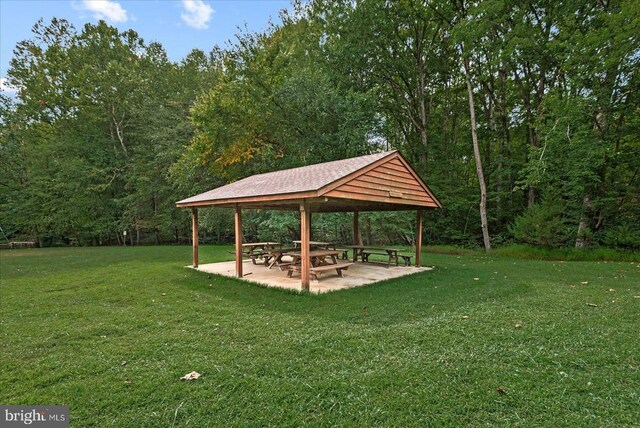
357, 275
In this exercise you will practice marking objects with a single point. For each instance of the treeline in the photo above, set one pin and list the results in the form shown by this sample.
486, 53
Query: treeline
106, 133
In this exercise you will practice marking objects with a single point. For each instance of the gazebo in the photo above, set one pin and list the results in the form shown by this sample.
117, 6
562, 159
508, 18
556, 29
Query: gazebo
378, 182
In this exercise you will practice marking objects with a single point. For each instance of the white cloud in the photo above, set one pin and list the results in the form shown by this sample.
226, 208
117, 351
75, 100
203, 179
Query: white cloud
5, 87
105, 9
196, 14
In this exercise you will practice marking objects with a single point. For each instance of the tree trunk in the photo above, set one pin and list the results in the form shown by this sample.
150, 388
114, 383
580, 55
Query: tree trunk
582, 240
476, 153
423, 128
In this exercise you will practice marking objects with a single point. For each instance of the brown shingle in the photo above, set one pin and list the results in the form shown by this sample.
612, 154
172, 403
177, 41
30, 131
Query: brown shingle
295, 180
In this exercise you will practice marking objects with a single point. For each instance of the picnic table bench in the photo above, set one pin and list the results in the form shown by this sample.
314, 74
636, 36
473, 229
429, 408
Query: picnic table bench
255, 250
319, 263
344, 253
20, 244
315, 271
393, 254
406, 258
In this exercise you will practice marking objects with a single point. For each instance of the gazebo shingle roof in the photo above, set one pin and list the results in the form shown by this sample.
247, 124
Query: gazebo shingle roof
382, 181
294, 180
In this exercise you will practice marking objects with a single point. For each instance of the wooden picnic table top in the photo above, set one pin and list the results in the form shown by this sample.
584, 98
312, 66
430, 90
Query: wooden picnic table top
368, 247
260, 244
282, 250
315, 243
317, 253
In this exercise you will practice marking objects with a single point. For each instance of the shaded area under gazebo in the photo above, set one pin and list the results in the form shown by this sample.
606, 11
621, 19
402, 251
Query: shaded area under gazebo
378, 182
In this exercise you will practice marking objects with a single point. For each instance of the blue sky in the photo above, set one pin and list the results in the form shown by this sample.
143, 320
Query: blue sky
180, 25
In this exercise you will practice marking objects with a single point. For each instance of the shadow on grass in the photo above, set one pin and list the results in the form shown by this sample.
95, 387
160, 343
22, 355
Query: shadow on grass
384, 303
140, 271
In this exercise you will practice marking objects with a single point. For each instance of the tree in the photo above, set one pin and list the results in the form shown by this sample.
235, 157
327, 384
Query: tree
539, 111
275, 107
476, 153
394, 51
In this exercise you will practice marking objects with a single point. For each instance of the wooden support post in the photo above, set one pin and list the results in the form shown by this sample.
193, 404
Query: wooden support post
418, 237
194, 239
305, 234
356, 234
238, 221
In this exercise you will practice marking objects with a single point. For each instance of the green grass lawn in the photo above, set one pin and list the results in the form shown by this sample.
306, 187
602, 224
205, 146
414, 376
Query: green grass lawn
426, 350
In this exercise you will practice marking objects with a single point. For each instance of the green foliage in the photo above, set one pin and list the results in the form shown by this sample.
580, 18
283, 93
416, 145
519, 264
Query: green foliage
388, 228
544, 225
274, 107
623, 236
100, 117
106, 133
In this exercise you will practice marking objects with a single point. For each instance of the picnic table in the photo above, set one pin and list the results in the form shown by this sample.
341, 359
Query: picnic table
20, 244
364, 251
256, 250
315, 244
274, 256
319, 245
321, 260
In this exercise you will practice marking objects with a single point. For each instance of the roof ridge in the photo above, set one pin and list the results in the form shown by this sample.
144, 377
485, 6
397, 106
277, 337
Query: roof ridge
317, 164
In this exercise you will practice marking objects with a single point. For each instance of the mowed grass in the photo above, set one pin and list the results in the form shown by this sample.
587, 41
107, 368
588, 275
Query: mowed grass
433, 349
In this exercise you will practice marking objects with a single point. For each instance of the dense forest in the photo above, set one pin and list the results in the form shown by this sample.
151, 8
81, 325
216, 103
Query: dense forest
522, 116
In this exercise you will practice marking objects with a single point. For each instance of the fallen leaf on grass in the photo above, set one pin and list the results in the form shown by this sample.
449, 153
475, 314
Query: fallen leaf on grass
501, 390
191, 376
593, 305
365, 309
